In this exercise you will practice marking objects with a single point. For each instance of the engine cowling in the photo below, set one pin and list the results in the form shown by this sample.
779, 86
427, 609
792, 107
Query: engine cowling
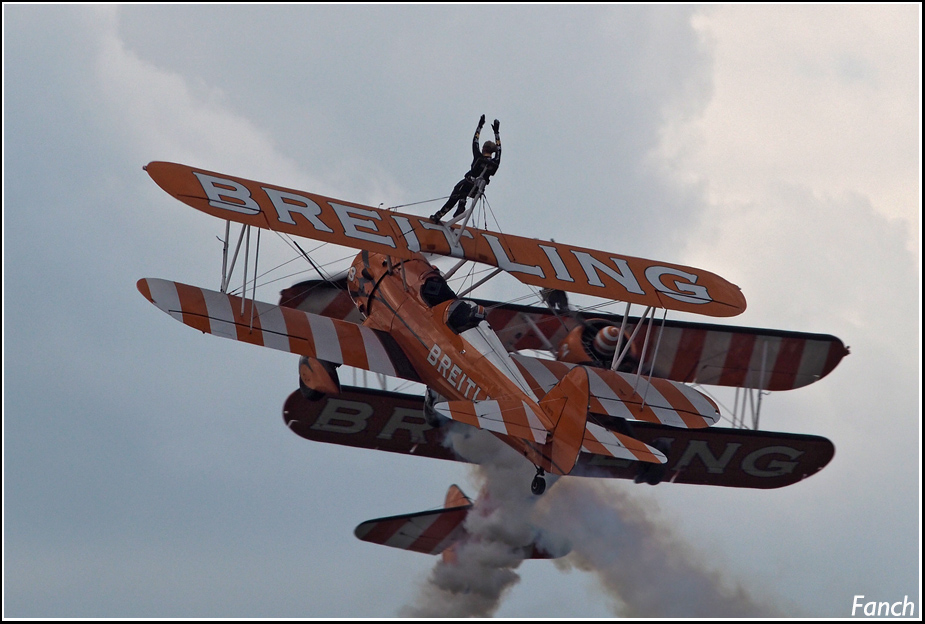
594, 342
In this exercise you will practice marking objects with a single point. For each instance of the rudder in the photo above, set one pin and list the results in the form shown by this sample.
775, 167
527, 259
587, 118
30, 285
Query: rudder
567, 405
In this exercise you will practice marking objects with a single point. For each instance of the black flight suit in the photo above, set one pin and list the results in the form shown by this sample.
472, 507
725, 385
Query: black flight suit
482, 166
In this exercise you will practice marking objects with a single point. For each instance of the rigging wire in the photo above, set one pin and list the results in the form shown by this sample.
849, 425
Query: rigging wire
301, 253
326, 264
426, 201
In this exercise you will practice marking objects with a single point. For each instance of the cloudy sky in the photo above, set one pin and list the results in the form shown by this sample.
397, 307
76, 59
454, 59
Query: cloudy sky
147, 471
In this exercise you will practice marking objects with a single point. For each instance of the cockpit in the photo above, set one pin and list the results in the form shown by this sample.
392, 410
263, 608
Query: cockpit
464, 314
435, 290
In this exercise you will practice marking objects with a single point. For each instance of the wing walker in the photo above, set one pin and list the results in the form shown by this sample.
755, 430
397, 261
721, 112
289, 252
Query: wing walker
574, 392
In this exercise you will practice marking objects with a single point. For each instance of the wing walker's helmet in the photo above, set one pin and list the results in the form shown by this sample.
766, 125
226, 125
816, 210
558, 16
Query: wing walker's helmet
489, 147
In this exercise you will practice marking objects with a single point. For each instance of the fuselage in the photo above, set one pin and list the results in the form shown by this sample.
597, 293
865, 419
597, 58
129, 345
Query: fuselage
411, 301
453, 349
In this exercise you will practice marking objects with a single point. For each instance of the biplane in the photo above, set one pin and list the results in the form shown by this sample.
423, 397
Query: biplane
574, 393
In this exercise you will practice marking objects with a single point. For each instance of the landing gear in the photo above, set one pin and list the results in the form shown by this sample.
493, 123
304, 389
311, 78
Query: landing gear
539, 483
653, 474
433, 418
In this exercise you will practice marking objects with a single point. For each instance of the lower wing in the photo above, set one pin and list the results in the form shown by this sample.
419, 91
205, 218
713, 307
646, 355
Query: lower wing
741, 458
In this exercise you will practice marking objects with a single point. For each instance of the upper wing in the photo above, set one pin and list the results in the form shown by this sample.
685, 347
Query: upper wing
744, 357
285, 329
539, 263
626, 395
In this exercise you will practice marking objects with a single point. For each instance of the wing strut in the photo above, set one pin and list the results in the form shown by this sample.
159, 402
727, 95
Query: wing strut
228, 270
619, 355
254, 287
476, 194
626, 313
764, 363
748, 395
225, 253
455, 234
654, 356
618, 360
645, 345
226, 274
748, 403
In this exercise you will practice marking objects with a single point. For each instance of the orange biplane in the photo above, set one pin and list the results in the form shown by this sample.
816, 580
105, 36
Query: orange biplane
611, 397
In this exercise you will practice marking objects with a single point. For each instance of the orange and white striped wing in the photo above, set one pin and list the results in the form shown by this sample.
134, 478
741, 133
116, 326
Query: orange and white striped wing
429, 532
739, 357
657, 400
538, 263
509, 417
628, 396
602, 441
284, 329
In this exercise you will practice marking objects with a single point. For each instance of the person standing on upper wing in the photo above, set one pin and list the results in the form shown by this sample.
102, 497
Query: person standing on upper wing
484, 165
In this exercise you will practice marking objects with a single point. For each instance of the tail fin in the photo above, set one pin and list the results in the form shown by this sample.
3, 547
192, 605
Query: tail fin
557, 432
456, 498
567, 406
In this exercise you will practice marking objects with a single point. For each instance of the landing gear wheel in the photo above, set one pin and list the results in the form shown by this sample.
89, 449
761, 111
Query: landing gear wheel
539, 483
653, 474
431, 416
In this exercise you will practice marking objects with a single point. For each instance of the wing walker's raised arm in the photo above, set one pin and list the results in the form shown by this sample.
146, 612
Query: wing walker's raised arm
538, 263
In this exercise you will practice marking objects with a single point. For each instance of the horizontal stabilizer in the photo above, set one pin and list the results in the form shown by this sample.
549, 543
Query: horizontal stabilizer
281, 328
441, 531
600, 441
544, 264
629, 396
509, 417
429, 532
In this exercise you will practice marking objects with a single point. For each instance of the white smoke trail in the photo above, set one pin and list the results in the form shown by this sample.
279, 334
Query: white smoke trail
643, 566
499, 526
